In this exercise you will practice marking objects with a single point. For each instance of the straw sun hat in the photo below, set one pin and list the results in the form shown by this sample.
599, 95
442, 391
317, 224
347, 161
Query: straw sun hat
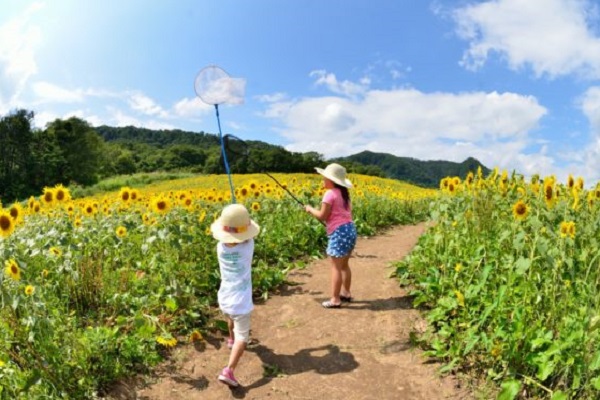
234, 225
336, 173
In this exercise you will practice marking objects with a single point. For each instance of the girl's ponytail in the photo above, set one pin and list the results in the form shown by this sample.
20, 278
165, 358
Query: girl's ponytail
345, 194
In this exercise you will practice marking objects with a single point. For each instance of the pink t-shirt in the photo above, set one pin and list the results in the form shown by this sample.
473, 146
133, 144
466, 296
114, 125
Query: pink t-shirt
339, 214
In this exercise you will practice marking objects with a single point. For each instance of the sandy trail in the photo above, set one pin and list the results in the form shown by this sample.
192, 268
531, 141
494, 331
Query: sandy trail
302, 351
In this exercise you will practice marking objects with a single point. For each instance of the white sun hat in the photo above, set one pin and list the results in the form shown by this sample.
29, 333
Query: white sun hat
336, 173
234, 225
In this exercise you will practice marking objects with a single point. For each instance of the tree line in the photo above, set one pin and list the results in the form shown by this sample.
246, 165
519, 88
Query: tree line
72, 152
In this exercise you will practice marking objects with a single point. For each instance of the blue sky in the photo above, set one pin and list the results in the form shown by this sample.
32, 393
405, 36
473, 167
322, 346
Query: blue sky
513, 83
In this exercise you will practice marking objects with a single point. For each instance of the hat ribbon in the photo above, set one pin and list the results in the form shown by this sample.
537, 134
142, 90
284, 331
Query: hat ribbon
236, 229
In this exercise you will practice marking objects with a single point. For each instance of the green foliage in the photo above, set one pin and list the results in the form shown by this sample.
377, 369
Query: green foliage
513, 299
81, 149
103, 304
16, 158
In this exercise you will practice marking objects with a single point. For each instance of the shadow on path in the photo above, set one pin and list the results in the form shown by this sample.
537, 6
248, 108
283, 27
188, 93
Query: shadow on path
391, 303
327, 359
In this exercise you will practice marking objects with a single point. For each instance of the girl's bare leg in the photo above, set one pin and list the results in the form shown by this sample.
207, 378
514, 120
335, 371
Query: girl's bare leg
236, 353
230, 328
346, 277
336, 279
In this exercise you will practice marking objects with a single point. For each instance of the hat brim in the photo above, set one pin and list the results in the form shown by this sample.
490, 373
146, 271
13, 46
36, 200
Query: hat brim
345, 182
231, 237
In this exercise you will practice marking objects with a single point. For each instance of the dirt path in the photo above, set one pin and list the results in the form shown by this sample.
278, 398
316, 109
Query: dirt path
303, 351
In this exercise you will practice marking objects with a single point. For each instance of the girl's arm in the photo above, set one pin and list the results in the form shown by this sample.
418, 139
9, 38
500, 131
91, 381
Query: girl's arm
322, 214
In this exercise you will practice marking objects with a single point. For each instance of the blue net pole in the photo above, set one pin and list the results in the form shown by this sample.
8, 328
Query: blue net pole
233, 201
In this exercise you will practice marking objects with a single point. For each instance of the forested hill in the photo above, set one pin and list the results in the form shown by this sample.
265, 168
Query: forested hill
72, 152
422, 173
160, 138
268, 157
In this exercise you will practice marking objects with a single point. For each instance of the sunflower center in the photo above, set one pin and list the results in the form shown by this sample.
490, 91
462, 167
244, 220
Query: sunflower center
14, 269
5, 223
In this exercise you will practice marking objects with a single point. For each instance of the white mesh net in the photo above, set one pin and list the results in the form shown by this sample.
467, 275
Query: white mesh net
214, 86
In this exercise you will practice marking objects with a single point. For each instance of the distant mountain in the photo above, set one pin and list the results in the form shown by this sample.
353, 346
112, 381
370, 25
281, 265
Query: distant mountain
170, 149
422, 173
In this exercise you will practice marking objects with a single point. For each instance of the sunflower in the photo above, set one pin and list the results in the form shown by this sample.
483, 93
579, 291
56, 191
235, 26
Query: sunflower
520, 210
167, 341
549, 194
444, 183
62, 194
570, 182
11, 268
451, 188
48, 197
134, 195
121, 231
7, 224
567, 228
572, 229
146, 219
504, 178
125, 194
31, 202
29, 290
161, 204
16, 212
89, 209
579, 183
469, 179
256, 206
55, 251
196, 336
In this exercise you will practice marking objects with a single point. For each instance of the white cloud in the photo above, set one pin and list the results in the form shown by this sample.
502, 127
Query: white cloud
271, 98
552, 37
18, 42
346, 88
144, 104
191, 108
492, 127
48, 92
587, 162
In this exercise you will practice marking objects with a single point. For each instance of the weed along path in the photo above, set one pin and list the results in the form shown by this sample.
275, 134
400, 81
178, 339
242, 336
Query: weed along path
299, 350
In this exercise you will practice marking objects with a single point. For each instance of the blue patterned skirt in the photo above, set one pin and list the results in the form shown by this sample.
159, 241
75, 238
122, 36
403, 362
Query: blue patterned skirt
342, 240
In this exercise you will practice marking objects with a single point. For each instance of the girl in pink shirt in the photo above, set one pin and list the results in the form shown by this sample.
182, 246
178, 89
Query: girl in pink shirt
336, 212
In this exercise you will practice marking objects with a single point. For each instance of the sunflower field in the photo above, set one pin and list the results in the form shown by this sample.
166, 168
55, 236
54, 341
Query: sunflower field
98, 288
510, 277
